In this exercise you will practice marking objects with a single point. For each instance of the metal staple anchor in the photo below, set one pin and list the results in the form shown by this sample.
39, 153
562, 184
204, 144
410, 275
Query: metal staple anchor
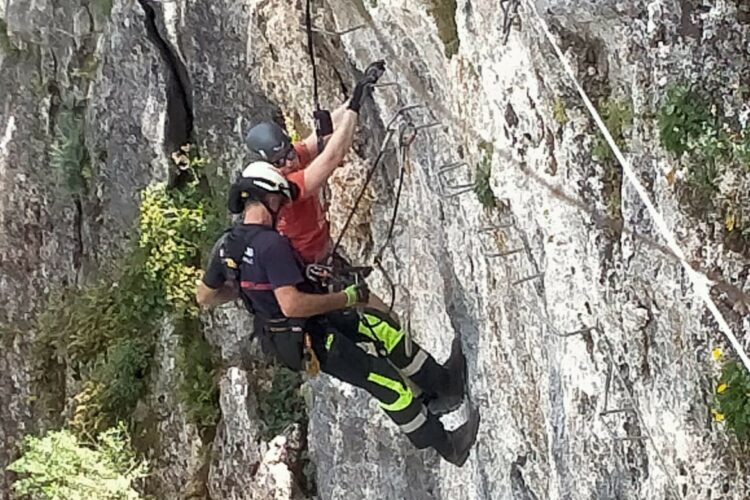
528, 278
324, 31
461, 188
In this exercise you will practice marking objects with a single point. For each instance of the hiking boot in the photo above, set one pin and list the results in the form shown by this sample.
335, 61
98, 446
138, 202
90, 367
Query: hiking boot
455, 449
452, 396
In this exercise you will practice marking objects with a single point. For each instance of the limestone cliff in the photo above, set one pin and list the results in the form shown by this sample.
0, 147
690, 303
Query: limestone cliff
579, 249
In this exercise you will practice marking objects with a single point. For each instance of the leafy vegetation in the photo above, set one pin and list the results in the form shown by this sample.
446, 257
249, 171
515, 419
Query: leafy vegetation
618, 117
714, 151
59, 466
732, 398
69, 157
559, 113
444, 13
199, 372
281, 404
107, 330
482, 187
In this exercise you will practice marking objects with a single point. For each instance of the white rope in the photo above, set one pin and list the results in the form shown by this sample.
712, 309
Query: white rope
699, 280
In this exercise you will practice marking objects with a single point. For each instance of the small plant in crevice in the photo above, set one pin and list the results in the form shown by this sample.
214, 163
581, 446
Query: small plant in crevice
281, 404
59, 465
559, 113
198, 389
618, 117
732, 398
69, 157
482, 187
682, 118
713, 151
444, 14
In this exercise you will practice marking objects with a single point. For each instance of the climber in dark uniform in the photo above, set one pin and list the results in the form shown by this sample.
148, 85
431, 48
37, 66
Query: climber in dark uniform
254, 261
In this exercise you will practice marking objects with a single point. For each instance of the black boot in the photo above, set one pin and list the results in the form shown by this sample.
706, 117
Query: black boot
450, 397
455, 449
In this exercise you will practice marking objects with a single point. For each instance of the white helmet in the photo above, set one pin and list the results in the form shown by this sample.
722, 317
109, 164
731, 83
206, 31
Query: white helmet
258, 180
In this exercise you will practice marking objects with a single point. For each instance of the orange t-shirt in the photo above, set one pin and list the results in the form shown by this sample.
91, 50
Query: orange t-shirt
304, 221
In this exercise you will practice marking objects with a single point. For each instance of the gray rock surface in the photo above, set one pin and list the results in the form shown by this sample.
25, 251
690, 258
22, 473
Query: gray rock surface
204, 71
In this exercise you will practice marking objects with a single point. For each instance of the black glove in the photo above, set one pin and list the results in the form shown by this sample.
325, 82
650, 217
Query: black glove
373, 72
358, 293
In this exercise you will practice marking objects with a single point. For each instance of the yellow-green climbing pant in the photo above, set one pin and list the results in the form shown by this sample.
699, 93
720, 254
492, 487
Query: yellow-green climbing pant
343, 359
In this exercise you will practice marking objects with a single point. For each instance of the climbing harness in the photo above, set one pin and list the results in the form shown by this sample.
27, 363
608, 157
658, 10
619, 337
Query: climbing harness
312, 363
322, 117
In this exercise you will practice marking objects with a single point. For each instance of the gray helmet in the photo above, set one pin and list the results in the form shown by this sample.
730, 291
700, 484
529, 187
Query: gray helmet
269, 141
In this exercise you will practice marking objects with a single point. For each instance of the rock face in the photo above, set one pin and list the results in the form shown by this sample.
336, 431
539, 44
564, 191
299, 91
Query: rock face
581, 249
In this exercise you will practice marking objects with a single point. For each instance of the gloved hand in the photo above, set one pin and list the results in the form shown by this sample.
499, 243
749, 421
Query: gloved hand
358, 293
372, 74
374, 71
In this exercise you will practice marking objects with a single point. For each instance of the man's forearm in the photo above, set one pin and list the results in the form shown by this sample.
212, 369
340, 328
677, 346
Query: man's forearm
308, 304
336, 118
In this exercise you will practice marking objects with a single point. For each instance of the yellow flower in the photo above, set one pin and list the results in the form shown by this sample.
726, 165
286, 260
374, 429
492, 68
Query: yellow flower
716, 353
721, 388
719, 417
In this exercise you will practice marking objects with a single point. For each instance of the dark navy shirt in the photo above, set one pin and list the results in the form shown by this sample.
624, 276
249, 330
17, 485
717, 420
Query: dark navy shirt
262, 259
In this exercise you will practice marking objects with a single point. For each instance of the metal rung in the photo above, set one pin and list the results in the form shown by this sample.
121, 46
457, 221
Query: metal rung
616, 410
428, 125
324, 31
506, 253
451, 166
495, 228
386, 84
577, 332
459, 193
632, 438
528, 278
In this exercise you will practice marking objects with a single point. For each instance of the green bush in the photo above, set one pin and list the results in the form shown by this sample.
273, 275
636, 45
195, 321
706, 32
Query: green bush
559, 113
732, 399
683, 117
482, 187
60, 467
618, 117
709, 145
444, 14
69, 157
198, 389
282, 404
107, 330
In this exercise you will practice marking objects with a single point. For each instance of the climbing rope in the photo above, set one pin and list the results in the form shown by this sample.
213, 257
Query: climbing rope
323, 121
699, 281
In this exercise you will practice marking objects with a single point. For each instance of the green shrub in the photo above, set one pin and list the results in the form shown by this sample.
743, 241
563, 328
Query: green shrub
732, 399
198, 388
107, 330
709, 145
444, 14
69, 157
559, 113
618, 117
282, 404
58, 467
482, 187
682, 118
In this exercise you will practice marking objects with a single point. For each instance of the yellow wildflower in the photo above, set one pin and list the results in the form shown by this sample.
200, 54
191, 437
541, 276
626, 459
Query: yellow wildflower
721, 388
719, 417
716, 353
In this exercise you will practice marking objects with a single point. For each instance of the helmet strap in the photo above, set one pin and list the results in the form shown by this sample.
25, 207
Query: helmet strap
274, 215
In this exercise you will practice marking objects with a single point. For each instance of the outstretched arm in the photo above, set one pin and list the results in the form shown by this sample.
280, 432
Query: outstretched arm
311, 141
317, 173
